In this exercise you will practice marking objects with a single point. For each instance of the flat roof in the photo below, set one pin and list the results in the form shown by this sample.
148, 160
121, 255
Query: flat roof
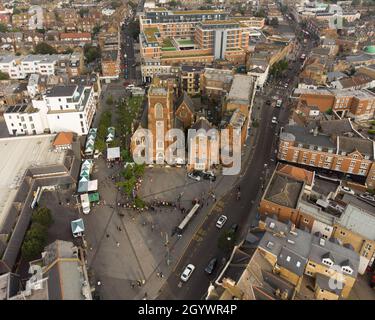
19, 154
241, 89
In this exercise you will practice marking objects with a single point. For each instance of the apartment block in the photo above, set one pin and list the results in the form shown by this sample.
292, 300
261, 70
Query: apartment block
191, 77
69, 108
309, 147
359, 104
321, 209
18, 67
299, 256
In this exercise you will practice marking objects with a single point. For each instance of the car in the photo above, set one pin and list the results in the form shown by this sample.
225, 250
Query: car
185, 276
279, 103
130, 86
233, 228
221, 221
194, 176
285, 85
274, 120
208, 175
211, 266
367, 196
346, 190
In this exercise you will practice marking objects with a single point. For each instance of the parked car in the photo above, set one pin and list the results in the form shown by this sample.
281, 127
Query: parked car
211, 266
367, 196
346, 190
274, 120
221, 221
185, 276
208, 175
194, 176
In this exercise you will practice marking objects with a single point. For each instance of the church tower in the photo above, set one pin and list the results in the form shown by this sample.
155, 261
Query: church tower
160, 115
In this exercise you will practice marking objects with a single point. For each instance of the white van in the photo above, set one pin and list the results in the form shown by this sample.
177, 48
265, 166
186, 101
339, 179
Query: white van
278, 103
85, 202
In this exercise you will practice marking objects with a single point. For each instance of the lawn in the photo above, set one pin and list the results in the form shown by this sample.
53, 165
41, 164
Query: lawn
185, 42
168, 49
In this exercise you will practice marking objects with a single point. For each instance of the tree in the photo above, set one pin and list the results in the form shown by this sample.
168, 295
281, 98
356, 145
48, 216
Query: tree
44, 48
115, 4
69, 51
34, 241
260, 13
42, 216
4, 76
31, 249
3, 27
37, 231
139, 170
126, 156
96, 29
91, 53
134, 29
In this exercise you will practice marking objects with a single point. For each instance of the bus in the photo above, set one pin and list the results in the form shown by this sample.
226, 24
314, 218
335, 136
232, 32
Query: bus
187, 219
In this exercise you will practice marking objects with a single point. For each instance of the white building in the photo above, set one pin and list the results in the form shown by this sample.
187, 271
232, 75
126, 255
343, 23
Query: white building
69, 108
18, 67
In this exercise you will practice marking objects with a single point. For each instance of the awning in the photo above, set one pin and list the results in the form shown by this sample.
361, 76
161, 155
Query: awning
77, 226
113, 153
94, 197
86, 186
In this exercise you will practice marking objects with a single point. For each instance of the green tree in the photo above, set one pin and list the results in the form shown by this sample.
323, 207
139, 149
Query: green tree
260, 13
3, 27
44, 48
4, 76
69, 51
115, 4
42, 216
37, 231
126, 156
128, 185
139, 170
139, 203
96, 29
134, 29
31, 249
91, 53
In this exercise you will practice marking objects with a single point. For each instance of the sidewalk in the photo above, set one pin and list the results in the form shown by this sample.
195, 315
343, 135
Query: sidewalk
155, 283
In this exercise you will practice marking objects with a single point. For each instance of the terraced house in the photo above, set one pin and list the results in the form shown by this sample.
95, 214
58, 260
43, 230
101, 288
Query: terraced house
318, 147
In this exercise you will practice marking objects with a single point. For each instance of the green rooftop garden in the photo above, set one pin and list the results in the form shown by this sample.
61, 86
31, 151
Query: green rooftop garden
184, 42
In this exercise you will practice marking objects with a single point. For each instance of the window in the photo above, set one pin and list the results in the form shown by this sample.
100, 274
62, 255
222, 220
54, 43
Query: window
81, 115
58, 117
305, 220
31, 118
288, 258
342, 233
158, 111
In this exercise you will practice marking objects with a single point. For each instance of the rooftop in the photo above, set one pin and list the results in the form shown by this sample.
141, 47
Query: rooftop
14, 163
284, 190
61, 91
241, 89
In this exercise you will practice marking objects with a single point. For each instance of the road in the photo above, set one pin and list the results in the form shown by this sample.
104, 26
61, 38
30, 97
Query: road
204, 245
